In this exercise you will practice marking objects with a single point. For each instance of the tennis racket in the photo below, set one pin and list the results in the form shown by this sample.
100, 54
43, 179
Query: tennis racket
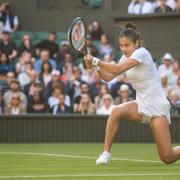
77, 35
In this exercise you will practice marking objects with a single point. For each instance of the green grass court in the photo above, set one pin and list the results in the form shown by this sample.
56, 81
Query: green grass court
77, 161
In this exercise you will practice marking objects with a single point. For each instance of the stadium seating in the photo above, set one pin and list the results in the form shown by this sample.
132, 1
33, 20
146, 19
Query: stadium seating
61, 35
93, 3
36, 37
41, 35
17, 41
13, 36
20, 34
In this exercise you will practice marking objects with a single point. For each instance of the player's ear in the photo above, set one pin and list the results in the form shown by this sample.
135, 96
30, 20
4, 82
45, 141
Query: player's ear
137, 44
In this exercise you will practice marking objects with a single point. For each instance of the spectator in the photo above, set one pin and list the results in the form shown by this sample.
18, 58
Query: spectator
29, 89
105, 48
14, 88
99, 98
67, 73
38, 104
54, 99
38, 88
44, 57
24, 59
140, 7
175, 101
88, 75
49, 44
163, 8
10, 21
7, 46
95, 30
1, 29
67, 64
107, 106
45, 75
122, 79
27, 46
95, 86
172, 75
15, 106
10, 76
5, 85
55, 80
92, 48
167, 63
163, 68
73, 85
64, 48
24, 76
5, 65
109, 59
177, 6
86, 106
84, 89
124, 95
61, 108
170, 3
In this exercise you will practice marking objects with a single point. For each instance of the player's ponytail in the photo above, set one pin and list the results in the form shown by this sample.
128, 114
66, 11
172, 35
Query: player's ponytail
130, 32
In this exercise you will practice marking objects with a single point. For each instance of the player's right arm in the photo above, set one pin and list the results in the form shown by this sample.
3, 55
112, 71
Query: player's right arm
105, 75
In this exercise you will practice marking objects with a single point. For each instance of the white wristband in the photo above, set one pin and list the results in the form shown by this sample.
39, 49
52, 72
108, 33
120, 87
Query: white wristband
95, 61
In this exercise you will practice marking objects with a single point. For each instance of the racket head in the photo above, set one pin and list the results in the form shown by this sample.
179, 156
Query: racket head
77, 34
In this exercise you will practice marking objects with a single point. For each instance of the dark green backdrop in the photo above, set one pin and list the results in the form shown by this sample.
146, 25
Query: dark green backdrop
73, 128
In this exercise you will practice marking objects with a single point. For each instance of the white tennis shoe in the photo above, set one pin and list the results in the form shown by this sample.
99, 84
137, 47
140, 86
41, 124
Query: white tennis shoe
104, 159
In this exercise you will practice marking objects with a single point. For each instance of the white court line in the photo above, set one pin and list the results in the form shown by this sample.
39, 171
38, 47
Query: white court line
91, 175
80, 157
49, 154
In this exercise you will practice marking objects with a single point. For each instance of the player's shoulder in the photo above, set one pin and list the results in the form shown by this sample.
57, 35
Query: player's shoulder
142, 50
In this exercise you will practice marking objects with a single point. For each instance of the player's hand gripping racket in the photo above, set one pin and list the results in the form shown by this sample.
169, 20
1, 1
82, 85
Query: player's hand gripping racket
77, 36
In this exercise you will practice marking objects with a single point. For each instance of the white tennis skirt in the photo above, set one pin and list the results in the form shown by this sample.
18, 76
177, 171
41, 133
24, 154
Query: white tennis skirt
155, 106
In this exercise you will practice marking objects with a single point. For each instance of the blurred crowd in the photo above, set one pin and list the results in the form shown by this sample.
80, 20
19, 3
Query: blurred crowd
155, 6
49, 77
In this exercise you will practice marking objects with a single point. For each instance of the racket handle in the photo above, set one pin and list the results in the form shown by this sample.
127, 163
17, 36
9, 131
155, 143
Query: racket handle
88, 50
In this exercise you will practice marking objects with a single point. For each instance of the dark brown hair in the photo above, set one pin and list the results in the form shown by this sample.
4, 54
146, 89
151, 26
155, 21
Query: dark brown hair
131, 33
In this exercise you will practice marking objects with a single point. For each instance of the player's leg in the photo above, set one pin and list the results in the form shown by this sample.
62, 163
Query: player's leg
160, 129
126, 111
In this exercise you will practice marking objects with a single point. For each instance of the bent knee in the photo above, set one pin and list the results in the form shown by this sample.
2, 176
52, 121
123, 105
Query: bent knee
115, 110
118, 112
166, 158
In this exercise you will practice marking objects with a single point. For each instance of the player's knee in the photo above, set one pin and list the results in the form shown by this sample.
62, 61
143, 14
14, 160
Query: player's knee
115, 110
118, 112
166, 158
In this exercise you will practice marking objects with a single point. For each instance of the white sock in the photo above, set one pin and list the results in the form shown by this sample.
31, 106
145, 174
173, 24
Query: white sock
107, 153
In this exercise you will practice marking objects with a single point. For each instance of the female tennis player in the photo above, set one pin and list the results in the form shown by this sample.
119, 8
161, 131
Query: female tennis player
151, 105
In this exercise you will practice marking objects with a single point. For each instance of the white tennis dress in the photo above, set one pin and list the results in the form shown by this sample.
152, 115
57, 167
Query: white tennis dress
145, 78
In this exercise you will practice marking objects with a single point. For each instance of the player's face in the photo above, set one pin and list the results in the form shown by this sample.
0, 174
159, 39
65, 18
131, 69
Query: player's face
127, 46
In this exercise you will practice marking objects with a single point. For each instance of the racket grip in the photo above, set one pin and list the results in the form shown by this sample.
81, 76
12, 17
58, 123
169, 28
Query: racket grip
88, 50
